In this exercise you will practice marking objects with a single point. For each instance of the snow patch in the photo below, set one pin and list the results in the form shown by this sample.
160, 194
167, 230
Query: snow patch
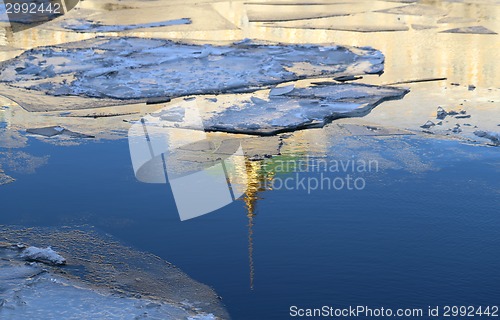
46, 255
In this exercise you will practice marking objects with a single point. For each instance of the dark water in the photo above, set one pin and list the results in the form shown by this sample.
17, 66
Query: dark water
408, 240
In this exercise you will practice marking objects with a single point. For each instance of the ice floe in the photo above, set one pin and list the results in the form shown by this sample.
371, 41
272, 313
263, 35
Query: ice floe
441, 113
282, 109
299, 108
135, 68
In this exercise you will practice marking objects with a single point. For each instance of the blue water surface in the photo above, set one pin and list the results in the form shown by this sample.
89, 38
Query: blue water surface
408, 240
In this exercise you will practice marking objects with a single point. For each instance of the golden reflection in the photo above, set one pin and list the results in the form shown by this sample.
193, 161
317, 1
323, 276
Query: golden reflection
250, 198
256, 178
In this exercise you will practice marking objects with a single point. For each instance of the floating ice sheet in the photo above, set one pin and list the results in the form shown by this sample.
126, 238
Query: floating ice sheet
134, 68
301, 108
281, 109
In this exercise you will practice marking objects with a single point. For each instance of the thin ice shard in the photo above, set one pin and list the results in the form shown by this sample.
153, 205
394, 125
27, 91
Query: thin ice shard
80, 25
471, 30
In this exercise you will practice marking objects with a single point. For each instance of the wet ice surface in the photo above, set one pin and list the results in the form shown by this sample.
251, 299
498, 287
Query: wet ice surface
134, 68
31, 290
141, 69
291, 109
47, 296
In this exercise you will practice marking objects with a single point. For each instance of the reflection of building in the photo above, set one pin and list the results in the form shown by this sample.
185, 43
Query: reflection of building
258, 178
254, 187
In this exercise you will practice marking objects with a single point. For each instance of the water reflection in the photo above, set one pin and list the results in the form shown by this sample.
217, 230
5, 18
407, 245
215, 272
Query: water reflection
255, 178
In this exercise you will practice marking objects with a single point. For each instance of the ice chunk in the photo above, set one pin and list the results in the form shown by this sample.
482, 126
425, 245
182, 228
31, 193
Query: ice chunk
290, 108
141, 69
278, 91
493, 136
46, 255
456, 129
441, 113
301, 108
428, 125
